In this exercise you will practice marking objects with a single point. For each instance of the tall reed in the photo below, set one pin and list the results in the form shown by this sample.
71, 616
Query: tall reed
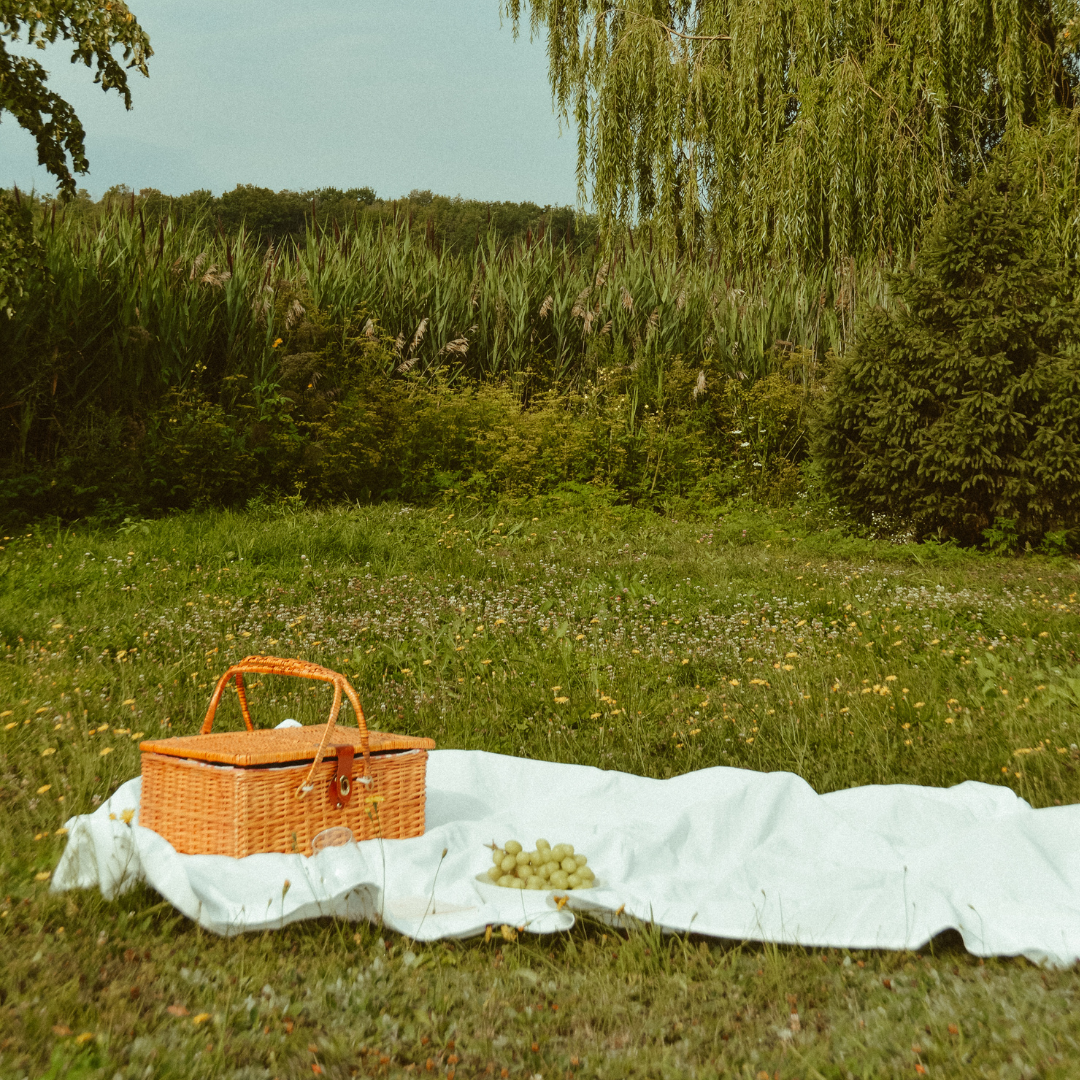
131, 312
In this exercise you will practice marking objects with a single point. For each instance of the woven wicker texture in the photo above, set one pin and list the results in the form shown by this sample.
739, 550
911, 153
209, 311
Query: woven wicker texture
239, 793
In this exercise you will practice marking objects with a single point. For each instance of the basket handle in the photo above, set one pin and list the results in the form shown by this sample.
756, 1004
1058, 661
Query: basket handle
276, 665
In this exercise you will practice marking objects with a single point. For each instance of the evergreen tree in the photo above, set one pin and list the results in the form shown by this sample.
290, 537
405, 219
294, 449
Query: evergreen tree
960, 409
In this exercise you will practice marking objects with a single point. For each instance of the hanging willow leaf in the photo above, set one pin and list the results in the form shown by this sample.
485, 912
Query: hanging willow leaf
780, 132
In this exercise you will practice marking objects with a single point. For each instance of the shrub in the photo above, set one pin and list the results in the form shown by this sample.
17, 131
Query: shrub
959, 410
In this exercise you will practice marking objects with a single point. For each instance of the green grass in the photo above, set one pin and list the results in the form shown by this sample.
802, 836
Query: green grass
750, 641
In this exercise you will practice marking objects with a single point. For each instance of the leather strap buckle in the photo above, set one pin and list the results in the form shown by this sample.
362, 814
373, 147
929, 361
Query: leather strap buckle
341, 785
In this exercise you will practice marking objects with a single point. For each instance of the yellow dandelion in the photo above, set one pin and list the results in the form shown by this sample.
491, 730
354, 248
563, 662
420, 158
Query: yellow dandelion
107, 750
561, 700
277, 342
48, 751
44, 787
200, 1018
44, 875
84, 1038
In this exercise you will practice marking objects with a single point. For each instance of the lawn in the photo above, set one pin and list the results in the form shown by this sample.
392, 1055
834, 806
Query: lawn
605, 637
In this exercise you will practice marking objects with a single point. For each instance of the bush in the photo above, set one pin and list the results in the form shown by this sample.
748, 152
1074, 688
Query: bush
959, 411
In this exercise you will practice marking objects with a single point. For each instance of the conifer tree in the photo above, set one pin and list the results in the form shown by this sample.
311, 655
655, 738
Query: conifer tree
959, 411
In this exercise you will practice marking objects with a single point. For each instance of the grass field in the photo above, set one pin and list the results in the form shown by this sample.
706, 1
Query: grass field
609, 638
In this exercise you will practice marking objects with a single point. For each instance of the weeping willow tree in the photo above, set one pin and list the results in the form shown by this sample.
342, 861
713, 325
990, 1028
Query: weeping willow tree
810, 131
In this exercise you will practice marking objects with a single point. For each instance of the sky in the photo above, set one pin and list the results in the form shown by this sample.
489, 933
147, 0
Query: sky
388, 94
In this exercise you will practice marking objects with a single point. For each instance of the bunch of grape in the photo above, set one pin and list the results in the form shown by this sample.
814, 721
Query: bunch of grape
545, 868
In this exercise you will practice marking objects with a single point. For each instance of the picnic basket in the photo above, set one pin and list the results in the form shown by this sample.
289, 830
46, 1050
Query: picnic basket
242, 792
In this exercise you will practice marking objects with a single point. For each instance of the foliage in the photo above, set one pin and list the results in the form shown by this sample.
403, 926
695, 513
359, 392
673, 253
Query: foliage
133, 313
450, 225
112, 631
342, 426
95, 30
959, 412
796, 130
21, 256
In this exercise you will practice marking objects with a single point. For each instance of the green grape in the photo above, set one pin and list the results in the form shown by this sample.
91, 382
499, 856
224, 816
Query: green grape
517, 883
522, 858
535, 882
560, 879
559, 852
586, 873
542, 845
535, 859
494, 874
587, 884
568, 864
506, 881
543, 872
512, 847
549, 868
573, 881
498, 855
508, 863
581, 860
523, 872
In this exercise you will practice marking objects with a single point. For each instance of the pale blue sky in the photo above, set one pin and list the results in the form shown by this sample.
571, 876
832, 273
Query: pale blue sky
395, 95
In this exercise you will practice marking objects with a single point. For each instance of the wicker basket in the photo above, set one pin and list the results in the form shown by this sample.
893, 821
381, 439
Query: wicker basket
238, 793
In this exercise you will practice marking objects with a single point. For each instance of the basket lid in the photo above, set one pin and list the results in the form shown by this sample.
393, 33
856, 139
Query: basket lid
275, 745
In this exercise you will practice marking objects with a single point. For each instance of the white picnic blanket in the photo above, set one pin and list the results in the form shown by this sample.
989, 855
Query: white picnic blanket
724, 852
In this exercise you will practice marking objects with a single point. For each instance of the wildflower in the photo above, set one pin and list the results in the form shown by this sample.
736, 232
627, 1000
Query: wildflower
890, 678
200, 1018
84, 1038
919, 704
561, 700
277, 342
48, 750
107, 750
44, 875
44, 787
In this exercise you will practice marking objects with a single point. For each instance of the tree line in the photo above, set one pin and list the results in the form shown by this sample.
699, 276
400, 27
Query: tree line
449, 224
